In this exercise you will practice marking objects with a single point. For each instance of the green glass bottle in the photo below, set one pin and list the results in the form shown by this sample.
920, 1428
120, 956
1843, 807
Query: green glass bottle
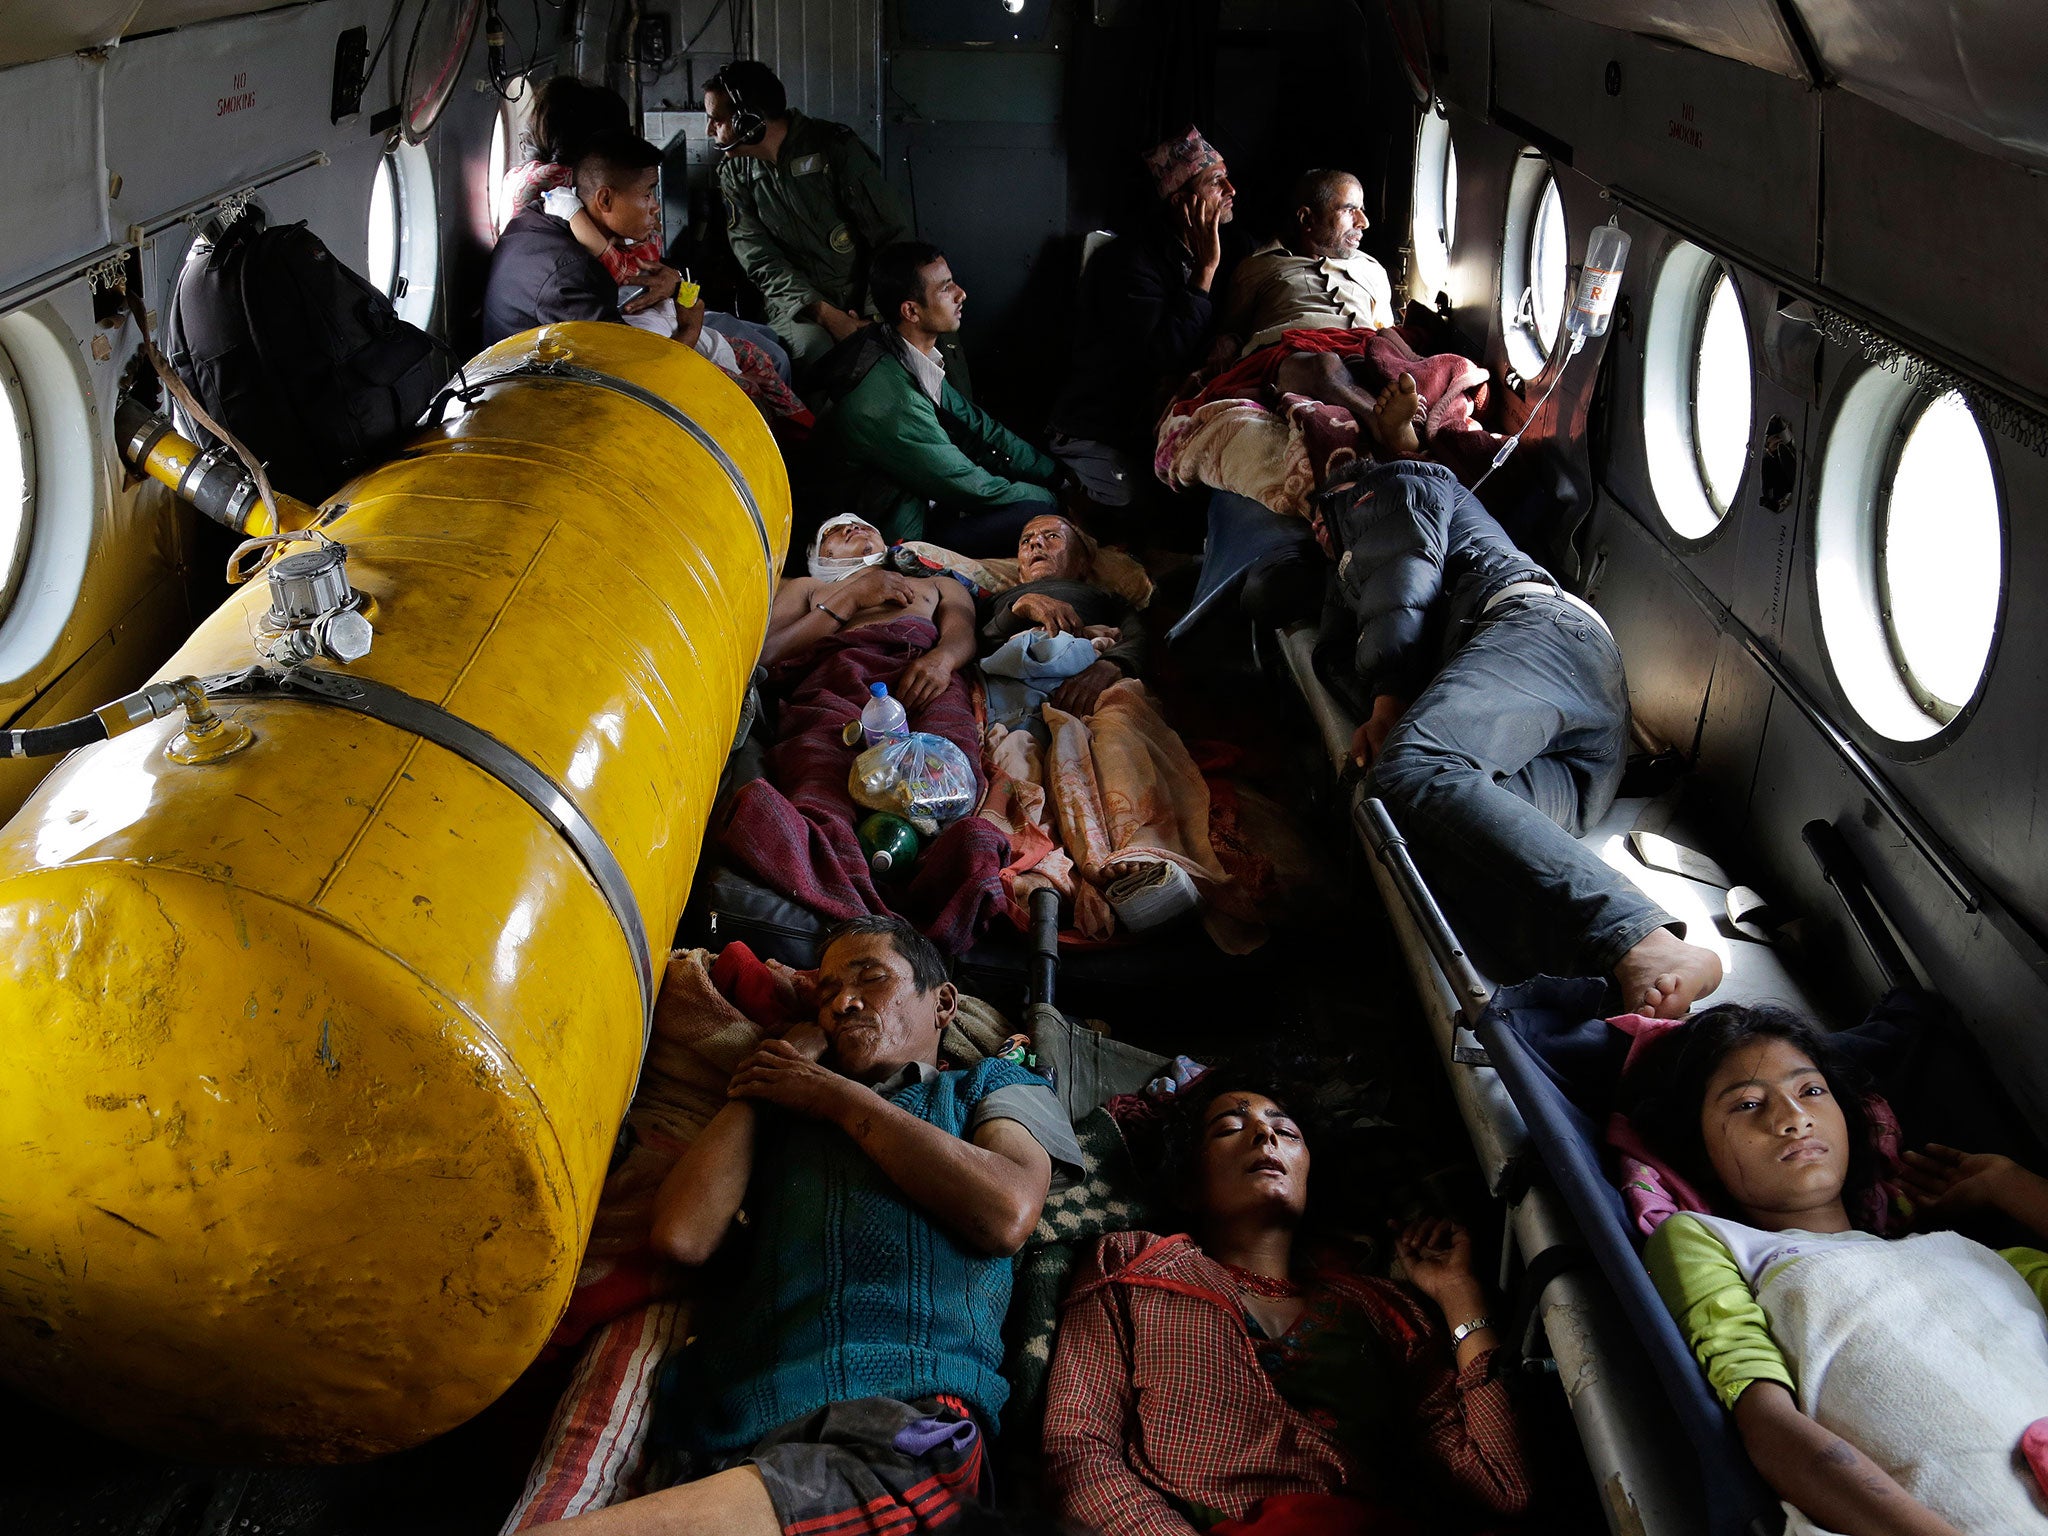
890, 844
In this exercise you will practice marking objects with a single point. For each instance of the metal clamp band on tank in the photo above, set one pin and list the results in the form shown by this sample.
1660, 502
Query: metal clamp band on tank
481, 750
319, 1051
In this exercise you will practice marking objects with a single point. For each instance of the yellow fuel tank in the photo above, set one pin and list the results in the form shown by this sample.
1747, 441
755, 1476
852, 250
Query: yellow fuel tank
315, 1056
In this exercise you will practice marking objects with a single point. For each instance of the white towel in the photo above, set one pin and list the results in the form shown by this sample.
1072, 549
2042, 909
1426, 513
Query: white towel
1928, 1354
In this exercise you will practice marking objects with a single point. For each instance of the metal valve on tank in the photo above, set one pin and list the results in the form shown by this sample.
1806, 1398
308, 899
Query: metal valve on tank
313, 609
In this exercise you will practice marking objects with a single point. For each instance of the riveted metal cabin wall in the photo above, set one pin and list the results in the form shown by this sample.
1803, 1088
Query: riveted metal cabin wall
828, 55
1710, 141
317, 1053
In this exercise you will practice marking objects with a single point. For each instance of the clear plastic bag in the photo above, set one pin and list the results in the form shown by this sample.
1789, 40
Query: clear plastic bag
923, 778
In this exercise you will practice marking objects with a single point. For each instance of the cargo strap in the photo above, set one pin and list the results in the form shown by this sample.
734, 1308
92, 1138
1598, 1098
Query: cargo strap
467, 386
481, 750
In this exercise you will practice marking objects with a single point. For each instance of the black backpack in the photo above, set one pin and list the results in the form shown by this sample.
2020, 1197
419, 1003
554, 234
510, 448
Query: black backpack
299, 357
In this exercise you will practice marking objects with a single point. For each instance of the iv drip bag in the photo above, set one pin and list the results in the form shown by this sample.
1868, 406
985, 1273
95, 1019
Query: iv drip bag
1599, 281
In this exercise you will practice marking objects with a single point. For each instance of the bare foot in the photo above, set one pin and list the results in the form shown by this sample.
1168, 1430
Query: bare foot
1395, 415
1663, 975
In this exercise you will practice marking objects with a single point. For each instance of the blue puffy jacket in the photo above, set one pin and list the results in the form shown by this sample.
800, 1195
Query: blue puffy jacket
1418, 556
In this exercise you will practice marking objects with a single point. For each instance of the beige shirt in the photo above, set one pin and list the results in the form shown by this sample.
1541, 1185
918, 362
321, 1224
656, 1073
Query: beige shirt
1276, 291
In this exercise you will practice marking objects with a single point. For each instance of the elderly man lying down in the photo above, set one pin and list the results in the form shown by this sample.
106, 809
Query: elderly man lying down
1096, 792
1059, 634
831, 635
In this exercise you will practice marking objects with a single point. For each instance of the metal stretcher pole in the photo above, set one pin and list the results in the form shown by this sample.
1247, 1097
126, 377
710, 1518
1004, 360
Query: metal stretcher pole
1041, 974
1840, 867
1391, 849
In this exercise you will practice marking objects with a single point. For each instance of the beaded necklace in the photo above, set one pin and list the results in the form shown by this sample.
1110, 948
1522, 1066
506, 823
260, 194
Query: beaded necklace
1264, 1285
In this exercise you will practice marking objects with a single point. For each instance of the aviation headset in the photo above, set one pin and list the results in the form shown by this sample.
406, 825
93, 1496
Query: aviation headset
748, 128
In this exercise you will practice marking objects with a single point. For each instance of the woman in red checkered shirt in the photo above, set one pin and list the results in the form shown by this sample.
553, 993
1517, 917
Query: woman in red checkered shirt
1239, 1385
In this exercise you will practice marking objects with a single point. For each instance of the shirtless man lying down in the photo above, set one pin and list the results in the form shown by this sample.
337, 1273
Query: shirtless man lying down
849, 587
832, 635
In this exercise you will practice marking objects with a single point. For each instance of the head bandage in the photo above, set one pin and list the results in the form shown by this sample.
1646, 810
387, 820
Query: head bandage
836, 567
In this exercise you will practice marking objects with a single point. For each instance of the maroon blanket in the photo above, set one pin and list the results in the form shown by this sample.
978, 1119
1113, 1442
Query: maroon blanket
794, 830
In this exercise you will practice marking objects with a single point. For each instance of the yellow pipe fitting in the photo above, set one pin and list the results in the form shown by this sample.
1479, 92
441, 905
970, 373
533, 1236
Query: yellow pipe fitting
316, 1054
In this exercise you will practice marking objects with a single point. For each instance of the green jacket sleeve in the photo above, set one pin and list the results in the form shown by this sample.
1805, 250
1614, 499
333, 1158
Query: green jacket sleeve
998, 440
896, 431
1715, 1309
760, 255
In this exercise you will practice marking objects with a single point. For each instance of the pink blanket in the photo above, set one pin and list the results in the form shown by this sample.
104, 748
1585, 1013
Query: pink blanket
1238, 432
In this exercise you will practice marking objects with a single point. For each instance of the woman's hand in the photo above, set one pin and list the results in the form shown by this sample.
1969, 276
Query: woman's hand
924, 680
779, 1072
1048, 613
1942, 1181
807, 1040
1437, 1254
796, 994
690, 323
1079, 694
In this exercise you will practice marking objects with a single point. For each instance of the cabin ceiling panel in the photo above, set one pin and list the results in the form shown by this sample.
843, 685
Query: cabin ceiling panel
1969, 71
1707, 141
1748, 31
189, 112
1938, 239
49, 118
36, 29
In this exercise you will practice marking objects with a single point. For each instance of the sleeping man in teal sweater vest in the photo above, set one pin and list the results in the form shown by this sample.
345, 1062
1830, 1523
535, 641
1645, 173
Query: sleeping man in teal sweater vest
855, 1207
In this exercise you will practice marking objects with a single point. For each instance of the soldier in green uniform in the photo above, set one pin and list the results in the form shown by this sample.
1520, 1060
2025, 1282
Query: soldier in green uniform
805, 207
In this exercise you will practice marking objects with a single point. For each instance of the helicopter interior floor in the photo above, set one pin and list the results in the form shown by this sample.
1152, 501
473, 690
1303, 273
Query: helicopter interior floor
1176, 994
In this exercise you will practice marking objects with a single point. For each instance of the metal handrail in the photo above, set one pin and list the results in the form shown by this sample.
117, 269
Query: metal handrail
1472, 990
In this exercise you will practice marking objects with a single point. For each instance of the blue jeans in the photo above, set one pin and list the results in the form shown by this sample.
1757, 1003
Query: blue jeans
764, 337
1513, 751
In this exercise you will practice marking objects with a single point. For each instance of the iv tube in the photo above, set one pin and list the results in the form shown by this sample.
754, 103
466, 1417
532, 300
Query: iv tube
1592, 307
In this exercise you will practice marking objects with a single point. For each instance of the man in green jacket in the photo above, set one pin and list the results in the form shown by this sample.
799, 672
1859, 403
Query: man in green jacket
900, 445
805, 207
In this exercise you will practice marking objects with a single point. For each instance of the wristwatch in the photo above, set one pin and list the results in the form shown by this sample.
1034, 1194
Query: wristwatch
1459, 1333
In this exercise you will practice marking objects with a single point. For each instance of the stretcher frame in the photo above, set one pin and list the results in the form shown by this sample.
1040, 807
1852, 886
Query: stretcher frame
1662, 1452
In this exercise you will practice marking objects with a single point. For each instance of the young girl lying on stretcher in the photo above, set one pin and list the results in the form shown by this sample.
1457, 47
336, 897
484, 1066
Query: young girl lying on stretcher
1879, 1386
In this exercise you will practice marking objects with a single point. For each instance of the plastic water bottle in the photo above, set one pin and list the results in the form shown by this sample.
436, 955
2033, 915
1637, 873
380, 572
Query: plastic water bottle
890, 843
1599, 282
882, 718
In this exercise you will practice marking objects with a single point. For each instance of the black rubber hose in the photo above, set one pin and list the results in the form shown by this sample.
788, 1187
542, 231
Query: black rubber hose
53, 740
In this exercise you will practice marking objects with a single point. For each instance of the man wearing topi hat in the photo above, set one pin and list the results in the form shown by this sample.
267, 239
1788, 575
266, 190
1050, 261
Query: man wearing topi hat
1142, 320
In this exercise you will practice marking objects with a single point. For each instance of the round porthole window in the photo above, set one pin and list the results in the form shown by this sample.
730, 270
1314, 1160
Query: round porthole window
1433, 223
1535, 277
508, 129
1909, 555
51, 492
17, 481
1698, 391
402, 248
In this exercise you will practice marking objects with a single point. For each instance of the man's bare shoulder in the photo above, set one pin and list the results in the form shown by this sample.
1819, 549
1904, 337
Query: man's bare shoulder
794, 587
